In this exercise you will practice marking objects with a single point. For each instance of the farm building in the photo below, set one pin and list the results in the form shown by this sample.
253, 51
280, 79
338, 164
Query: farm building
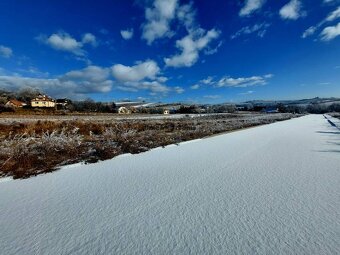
124, 110
43, 101
15, 103
62, 102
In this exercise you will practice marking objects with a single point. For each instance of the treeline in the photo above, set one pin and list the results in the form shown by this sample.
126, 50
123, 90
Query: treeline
89, 105
311, 108
314, 108
23, 95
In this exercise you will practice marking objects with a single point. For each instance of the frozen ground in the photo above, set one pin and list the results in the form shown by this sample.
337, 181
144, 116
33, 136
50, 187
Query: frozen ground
8, 119
273, 189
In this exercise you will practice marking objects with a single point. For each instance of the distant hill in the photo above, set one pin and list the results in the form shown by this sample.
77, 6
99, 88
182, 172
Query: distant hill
300, 102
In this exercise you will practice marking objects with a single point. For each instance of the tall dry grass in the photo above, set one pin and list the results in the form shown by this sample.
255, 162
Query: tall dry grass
32, 148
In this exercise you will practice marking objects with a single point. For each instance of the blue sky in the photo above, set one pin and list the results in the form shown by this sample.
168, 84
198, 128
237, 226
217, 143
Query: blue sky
172, 50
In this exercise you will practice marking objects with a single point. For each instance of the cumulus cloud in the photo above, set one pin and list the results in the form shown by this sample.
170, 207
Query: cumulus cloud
251, 6
142, 76
260, 30
190, 46
5, 52
95, 79
127, 34
292, 10
186, 15
91, 74
154, 87
329, 33
142, 70
75, 84
158, 19
64, 42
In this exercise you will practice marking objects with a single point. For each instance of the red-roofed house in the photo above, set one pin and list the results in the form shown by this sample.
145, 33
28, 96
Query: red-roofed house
15, 103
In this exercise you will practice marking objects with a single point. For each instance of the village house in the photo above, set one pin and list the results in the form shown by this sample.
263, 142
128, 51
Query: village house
43, 101
15, 103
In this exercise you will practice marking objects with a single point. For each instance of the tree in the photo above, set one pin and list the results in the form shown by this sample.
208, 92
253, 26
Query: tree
27, 94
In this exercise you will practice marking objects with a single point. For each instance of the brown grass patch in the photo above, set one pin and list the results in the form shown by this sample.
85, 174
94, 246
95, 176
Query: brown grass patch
32, 148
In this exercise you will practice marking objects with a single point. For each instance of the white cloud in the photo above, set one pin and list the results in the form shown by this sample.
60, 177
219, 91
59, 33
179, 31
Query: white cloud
330, 17
333, 15
158, 20
89, 38
91, 74
212, 96
251, 6
310, 31
75, 84
196, 86
179, 90
292, 10
260, 30
162, 79
268, 76
331, 32
243, 81
5, 52
190, 47
142, 70
154, 86
64, 42
330, 1
142, 76
127, 34
237, 82
207, 81
186, 15
95, 79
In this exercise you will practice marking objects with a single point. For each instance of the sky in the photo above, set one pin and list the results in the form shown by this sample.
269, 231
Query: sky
172, 50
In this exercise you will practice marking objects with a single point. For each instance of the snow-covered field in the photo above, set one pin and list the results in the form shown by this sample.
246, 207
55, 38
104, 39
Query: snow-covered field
273, 189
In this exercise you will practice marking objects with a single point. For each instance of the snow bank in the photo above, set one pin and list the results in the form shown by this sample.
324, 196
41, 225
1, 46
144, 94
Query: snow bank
273, 189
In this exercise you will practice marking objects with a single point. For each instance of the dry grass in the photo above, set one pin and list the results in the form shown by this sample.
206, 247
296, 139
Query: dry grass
32, 148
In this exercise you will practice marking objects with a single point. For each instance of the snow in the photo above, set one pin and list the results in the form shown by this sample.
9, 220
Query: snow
272, 189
